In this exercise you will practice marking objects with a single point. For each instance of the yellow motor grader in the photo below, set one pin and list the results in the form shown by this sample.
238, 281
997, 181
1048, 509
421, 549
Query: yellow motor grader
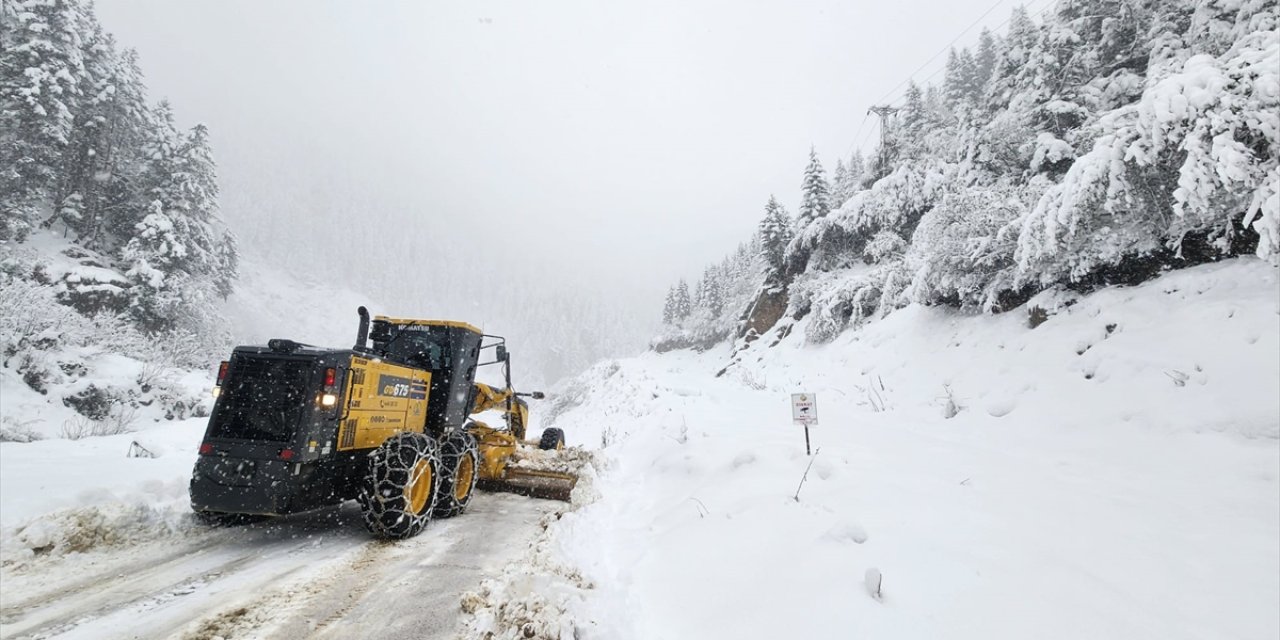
387, 423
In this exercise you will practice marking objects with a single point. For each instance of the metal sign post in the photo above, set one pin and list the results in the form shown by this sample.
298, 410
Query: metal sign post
804, 411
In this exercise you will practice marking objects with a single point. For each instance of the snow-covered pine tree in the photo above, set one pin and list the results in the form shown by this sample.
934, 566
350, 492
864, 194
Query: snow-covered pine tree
775, 232
985, 62
846, 180
1015, 52
41, 73
227, 264
78, 188
669, 307
180, 239
126, 131
857, 171
912, 121
683, 304
839, 185
953, 80
815, 191
713, 291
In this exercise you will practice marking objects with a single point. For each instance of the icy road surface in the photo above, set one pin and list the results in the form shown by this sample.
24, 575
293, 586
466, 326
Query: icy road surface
314, 575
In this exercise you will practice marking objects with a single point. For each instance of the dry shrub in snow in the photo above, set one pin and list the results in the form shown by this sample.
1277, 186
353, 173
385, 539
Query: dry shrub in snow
119, 419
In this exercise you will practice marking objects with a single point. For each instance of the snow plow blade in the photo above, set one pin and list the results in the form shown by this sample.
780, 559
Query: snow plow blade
550, 485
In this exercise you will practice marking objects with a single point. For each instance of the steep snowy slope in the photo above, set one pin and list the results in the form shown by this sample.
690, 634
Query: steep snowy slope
55, 473
269, 303
1111, 473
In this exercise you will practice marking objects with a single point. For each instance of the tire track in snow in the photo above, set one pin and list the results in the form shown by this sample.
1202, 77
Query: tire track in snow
150, 597
105, 579
70, 611
314, 575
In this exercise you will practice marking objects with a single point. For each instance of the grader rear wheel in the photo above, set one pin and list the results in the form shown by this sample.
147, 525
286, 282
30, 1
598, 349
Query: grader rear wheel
460, 469
398, 492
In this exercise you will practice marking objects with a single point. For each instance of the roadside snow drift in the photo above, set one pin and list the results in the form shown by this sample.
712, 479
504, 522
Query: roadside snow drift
1110, 473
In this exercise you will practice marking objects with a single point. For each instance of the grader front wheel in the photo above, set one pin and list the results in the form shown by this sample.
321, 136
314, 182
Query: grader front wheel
398, 492
460, 467
552, 438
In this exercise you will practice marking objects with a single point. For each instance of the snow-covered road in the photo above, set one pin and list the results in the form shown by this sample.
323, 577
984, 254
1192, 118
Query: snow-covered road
316, 575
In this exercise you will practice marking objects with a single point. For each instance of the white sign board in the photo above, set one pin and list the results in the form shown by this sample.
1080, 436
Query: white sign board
804, 408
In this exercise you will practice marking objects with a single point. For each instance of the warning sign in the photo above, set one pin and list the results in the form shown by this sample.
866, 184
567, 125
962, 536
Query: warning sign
804, 408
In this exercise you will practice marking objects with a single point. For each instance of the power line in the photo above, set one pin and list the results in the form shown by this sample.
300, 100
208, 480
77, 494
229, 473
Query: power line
859, 142
943, 50
849, 152
929, 77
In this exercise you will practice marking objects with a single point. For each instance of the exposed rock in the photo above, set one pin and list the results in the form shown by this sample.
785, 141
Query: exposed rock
769, 307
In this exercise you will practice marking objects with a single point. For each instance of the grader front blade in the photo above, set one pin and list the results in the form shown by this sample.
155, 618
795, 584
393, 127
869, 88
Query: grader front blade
550, 485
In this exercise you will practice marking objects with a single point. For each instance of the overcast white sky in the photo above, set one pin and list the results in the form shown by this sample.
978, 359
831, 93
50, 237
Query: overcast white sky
629, 143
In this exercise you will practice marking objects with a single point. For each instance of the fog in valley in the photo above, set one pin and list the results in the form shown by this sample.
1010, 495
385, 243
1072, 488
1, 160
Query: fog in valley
545, 170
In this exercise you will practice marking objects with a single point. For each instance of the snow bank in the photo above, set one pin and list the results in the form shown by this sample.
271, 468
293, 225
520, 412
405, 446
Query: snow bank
540, 595
1112, 472
64, 496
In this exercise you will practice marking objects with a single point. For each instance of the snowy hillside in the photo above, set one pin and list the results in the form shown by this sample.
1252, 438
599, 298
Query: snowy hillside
1110, 473
268, 303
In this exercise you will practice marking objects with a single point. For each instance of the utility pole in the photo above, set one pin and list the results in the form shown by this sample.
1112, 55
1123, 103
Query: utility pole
884, 111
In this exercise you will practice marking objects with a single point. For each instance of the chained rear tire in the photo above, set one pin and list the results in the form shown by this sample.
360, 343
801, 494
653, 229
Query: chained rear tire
459, 470
398, 491
552, 438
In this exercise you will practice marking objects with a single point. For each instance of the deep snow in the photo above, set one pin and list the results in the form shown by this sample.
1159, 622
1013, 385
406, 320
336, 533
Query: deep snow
1111, 473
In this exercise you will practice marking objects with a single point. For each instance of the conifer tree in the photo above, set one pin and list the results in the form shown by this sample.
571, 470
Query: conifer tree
985, 61
857, 170
816, 193
775, 234
41, 72
840, 185
912, 122
683, 304
713, 291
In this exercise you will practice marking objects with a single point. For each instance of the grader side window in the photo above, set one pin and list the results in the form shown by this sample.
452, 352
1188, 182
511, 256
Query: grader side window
424, 348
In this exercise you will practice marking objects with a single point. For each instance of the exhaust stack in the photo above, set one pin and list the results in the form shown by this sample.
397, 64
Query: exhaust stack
362, 334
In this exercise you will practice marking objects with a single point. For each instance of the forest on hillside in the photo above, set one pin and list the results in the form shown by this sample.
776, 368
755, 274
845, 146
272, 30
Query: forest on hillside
113, 252
1097, 142
88, 158
84, 153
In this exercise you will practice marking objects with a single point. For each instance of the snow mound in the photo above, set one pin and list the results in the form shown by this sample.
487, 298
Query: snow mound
534, 597
538, 595
567, 460
84, 529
